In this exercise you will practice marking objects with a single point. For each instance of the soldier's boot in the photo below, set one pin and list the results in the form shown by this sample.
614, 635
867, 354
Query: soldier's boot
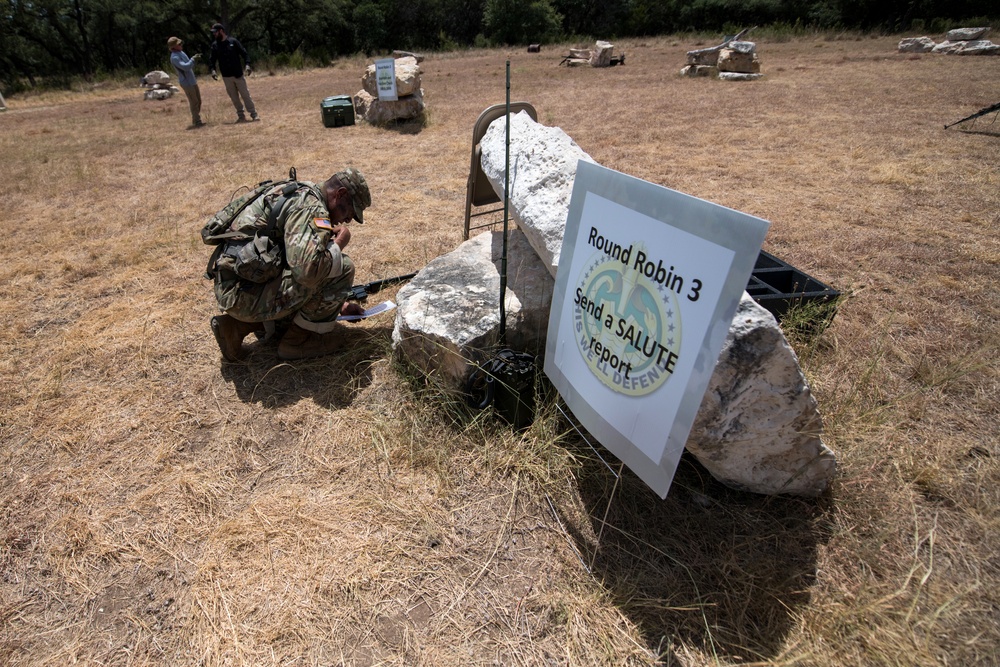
229, 334
297, 343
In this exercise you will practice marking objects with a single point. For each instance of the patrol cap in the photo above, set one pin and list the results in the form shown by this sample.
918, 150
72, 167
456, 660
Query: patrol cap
357, 187
174, 41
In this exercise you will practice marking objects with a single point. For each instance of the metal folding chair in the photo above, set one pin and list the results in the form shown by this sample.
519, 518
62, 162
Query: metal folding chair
479, 192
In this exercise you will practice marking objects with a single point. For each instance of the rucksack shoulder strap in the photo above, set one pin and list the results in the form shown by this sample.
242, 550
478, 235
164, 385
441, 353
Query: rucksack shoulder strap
278, 206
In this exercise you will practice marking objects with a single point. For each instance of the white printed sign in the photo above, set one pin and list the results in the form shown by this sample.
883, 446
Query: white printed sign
647, 285
385, 79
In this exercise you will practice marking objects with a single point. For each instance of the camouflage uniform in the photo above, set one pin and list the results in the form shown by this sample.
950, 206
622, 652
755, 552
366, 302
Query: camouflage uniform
317, 276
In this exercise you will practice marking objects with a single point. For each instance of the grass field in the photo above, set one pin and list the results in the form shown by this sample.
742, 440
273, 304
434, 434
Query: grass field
161, 507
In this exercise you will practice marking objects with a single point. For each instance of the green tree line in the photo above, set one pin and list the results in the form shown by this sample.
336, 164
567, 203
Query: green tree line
53, 40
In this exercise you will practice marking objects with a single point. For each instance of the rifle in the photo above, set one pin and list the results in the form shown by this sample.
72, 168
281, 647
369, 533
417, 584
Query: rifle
361, 292
981, 112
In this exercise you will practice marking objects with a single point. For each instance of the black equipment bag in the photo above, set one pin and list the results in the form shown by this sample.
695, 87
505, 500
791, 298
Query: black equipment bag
507, 382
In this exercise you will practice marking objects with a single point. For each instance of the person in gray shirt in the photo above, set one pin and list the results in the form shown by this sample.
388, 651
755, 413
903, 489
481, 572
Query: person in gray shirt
186, 78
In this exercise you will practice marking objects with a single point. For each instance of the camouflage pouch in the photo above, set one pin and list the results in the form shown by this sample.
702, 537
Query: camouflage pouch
258, 260
246, 236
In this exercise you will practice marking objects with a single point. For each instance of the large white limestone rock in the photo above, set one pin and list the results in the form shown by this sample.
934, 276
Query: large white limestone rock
542, 169
947, 46
448, 316
600, 55
731, 60
407, 77
155, 77
758, 428
709, 56
915, 45
978, 47
381, 112
965, 34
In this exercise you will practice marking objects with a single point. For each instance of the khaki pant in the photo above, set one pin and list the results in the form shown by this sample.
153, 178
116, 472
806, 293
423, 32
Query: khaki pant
194, 101
237, 87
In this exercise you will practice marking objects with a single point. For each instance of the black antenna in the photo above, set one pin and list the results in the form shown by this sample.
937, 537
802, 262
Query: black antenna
981, 112
506, 196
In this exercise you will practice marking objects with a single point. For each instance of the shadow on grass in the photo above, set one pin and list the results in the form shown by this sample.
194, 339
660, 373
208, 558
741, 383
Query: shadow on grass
409, 126
332, 381
986, 133
707, 567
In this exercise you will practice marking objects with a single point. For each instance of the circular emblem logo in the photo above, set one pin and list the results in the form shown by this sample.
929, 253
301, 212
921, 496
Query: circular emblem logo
628, 326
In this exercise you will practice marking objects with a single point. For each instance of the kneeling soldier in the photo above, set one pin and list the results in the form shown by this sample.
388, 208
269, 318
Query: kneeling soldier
280, 261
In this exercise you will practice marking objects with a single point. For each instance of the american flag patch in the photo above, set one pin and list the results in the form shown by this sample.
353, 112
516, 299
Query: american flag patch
322, 223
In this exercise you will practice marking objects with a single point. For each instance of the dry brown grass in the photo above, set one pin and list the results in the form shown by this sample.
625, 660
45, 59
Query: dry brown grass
158, 507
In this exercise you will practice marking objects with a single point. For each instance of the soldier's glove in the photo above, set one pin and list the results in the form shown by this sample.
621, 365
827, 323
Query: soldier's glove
214, 75
248, 70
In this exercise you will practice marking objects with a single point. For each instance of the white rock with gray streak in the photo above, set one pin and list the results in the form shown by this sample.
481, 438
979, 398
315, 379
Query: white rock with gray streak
542, 168
758, 428
448, 316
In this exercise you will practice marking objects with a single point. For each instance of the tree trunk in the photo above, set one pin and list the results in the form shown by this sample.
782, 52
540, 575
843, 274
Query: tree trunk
85, 60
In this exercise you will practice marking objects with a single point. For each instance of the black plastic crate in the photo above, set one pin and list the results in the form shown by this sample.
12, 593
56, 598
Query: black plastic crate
779, 287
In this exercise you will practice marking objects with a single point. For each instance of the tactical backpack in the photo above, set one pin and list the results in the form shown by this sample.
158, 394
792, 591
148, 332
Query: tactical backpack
252, 248
506, 381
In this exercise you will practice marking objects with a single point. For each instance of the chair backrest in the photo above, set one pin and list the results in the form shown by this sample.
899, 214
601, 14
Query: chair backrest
480, 192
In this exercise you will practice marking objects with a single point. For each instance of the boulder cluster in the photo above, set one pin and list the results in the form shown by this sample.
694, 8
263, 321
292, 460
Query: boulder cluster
410, 102
602, 55
958, 42
758, 428
730, 61
157, 85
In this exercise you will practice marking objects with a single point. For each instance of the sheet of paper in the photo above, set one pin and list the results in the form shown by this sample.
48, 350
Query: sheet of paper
383, 307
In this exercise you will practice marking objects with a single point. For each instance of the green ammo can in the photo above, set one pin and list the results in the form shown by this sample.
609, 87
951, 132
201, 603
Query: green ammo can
337, 110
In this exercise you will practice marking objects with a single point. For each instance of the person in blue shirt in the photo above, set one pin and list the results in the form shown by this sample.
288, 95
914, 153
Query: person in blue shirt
185, 77
233, 61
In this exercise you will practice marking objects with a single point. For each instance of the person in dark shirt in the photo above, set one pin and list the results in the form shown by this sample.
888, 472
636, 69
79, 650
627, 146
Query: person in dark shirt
233, 61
